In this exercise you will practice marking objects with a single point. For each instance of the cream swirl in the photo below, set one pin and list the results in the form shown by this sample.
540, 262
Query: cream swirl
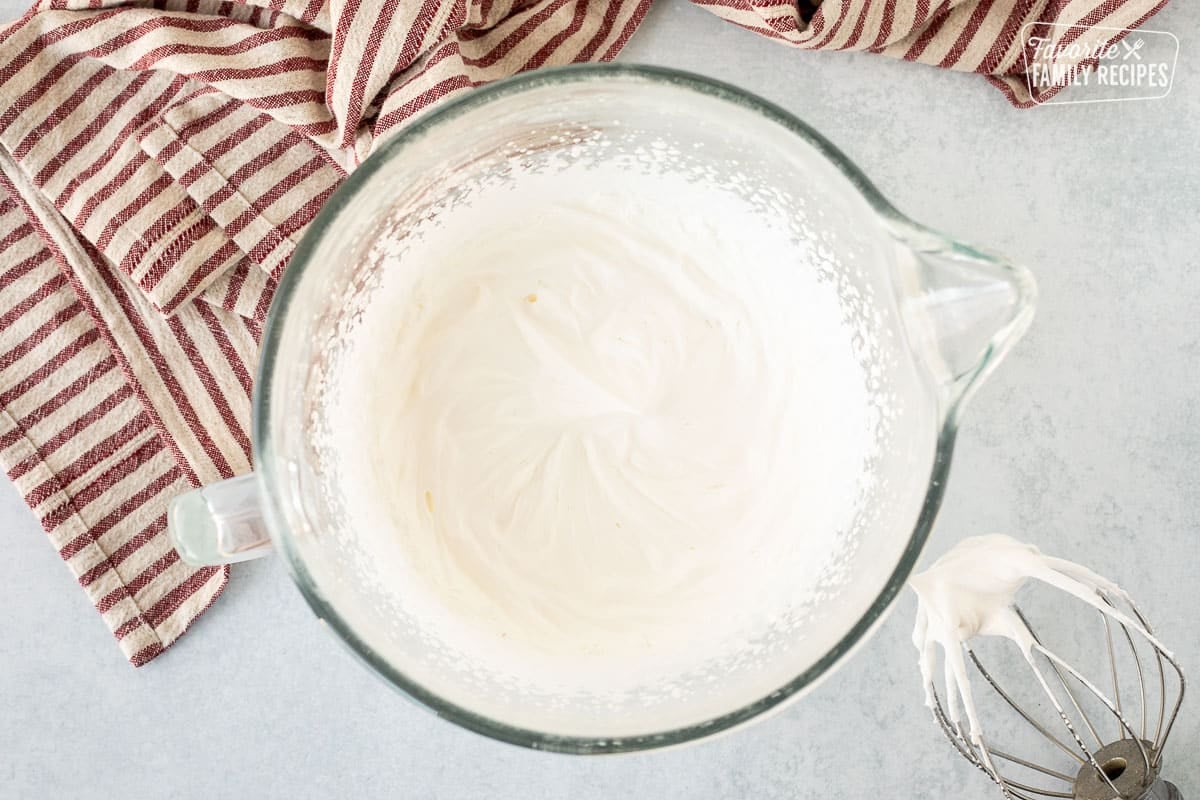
601, 411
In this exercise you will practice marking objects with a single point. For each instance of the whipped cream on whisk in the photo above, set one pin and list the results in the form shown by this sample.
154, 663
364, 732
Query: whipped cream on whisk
971, 591
606, 412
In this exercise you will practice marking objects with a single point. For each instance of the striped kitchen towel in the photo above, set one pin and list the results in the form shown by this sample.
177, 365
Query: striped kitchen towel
159, 160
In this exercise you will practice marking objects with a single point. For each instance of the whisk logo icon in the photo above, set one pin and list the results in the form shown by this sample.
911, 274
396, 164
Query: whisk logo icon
1096, 64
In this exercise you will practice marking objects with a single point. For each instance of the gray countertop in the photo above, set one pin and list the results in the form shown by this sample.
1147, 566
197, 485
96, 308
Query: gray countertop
1086, 442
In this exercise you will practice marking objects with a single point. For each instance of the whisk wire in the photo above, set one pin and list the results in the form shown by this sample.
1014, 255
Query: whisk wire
1162, 680
1042, 729
1044, 792
952, 733
1009, 788
1112, 665
1099, 696
1061, 679
1160, 735
1137, 662
1030, 765
968, 751
1090, 758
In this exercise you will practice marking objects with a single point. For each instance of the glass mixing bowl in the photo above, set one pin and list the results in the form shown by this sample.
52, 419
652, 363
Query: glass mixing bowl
939, 315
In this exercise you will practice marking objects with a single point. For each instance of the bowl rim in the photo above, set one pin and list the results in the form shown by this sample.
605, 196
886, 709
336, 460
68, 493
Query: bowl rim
276, 514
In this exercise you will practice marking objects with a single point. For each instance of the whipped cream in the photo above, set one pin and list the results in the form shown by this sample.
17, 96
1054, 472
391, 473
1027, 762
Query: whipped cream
971, 591
601, 416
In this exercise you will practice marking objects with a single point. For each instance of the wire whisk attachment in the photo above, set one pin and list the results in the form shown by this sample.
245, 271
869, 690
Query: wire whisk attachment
1091, 726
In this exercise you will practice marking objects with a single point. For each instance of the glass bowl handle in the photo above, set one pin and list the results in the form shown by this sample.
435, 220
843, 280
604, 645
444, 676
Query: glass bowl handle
221, 523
